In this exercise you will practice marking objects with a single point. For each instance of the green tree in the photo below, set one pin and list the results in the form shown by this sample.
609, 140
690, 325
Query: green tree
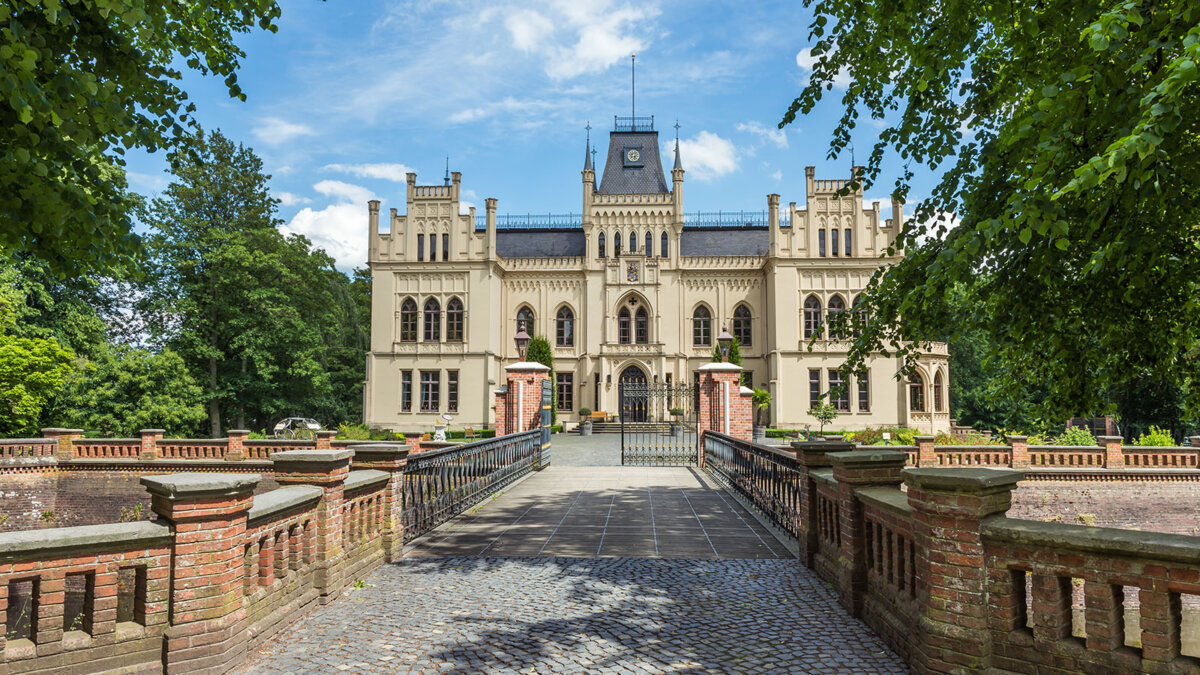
539, 351
31, 369
761, 402
1065, 138
125, 389
85, 81
824, 412
735, 356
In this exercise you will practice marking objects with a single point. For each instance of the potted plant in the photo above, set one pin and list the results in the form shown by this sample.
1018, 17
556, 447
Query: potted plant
585, 424
676, 413
761, 401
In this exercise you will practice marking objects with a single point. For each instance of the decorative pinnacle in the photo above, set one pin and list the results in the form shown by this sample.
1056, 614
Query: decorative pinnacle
447, 179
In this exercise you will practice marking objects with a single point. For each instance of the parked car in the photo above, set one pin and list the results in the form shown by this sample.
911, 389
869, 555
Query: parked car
298, 428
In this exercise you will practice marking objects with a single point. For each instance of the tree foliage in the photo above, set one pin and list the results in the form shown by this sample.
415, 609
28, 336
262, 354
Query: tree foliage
539, 351
31, 369
84, 81
1067, 138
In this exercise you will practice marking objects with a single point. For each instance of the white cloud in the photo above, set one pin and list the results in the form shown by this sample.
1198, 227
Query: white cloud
340, 228
290, 199
581, 38
708, 156
345, 191
145, 182
805, 60
778, 175
776, 136
528, 28
274, 131
384, 171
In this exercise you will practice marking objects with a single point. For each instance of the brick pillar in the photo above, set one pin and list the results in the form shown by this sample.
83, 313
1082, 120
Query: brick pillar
150, 439
1195, 440
949, 506
723, 406
325, 438
207, 511
392, 458
812, 455
326, 469
1020, 451
925, 454
501, 409
521, 408
66, 441
236, 450
1113, 458
852, 471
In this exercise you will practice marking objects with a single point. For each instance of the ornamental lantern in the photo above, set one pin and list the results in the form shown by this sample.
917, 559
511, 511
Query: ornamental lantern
724, 340
522, 340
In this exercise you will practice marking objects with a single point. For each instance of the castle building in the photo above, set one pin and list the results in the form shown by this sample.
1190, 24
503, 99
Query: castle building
632, 289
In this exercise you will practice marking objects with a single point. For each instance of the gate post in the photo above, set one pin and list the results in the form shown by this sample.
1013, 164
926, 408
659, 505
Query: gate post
547, 401
522, 402
725, 405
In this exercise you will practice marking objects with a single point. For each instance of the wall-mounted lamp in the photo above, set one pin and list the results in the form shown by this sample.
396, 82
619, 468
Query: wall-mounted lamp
725, 340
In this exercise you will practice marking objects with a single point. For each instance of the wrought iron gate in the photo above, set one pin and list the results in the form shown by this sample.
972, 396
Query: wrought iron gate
659, 424
544, 455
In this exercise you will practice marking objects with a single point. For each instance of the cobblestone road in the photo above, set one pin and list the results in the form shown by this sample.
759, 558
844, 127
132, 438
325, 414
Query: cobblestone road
573, 615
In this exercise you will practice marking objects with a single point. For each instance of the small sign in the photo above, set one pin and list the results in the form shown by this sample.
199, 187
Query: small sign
887, 436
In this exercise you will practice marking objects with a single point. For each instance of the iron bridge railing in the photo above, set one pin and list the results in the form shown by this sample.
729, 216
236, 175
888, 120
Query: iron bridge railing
440, 484
770, 479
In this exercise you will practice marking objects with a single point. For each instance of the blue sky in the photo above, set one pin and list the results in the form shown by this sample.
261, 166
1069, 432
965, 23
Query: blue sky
349, 95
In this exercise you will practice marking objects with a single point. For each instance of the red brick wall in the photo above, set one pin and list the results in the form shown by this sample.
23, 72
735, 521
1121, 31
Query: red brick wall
712, 405
1152, 506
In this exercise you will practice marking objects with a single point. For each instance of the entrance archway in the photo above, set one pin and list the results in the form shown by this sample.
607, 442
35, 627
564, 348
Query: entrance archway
633, 408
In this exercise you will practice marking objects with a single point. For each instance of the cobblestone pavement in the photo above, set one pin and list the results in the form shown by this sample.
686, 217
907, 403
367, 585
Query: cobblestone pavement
574, 615
571, 449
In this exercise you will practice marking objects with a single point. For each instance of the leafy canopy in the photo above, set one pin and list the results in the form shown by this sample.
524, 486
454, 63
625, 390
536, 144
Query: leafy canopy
1067, 136
83, 82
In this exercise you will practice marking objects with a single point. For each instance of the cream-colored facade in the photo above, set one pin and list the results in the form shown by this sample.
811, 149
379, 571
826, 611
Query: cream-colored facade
447, 294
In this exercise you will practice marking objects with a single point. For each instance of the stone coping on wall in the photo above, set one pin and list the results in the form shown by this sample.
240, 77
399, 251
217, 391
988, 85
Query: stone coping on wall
283, 499
1100, 540
81, 539
961, 479
190, 484
891, 499
823, 475
365, 478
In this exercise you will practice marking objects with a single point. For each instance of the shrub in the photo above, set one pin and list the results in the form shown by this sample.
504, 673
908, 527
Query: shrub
1156, 437
556, 429
585, 412
1074, 436
361, 432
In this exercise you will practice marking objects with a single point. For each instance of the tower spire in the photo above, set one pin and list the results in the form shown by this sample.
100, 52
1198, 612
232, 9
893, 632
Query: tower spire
587, 153
633, 90
678, 164
447, 179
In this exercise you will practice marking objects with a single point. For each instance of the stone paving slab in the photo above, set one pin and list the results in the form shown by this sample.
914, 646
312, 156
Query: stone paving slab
607, 511
572, 615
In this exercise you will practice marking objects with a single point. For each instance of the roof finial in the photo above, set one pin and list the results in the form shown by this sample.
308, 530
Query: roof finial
587, 152
633, 90
678, 164
447, 169
852, 161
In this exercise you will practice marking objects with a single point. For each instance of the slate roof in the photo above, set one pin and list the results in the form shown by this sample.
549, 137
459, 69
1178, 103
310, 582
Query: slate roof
725, 241
540, 243
645, 180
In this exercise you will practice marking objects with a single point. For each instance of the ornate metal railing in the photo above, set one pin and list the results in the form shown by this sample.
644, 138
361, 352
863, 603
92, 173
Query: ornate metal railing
770, 479
726, 219
440, 484
639, 123
531, 221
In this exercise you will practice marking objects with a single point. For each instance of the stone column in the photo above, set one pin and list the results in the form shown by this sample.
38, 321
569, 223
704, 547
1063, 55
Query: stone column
524, 397
207, 511
326, 469
236, 450
150, 439
925, 454
723, 406
812, 456
949, 506
1020, 451
325, 438
66, 441
853, 471
1113, 458
391, 458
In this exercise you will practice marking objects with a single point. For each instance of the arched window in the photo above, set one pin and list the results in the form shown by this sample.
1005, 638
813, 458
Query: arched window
408, 321
860, 316
812, 317
623, 327
662, 248
833, 241
601, 243
454, 320
565, 327
525, 320
916, 393
633, 242
433, 320
702, 327
821, 243
849, 251
741, 326
649, 245
617, 244
836, 304
641, 326
937, 392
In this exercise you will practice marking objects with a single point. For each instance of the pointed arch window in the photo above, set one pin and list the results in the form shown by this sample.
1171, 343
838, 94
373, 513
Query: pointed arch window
454, 320
833, 241
565, 328
649, 245
741, 326
821, 242
408, 321
702, 327
812, 317
916, 393
836, 304
623, 327
641, 326
433, 320
617, 244
662, 246
849, 252
525, 320
937, 392
633, 242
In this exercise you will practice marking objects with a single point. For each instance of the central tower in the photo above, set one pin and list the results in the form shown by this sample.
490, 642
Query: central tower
634, 166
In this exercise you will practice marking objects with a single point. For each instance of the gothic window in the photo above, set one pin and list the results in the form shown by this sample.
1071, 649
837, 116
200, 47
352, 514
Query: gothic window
600, 240
812, 317
662, 248
846, 241
642, 326
839, 395
432, 248
623, 326
454, 320
446, 247
525, 320
617, 244
433, 320
821, 243
565, 328
860, 316
836, 304
649, 245
633, 242
741, 325
916, 393
864, 392
937, 392
408, 321
420, 247
833, 241
702, 327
